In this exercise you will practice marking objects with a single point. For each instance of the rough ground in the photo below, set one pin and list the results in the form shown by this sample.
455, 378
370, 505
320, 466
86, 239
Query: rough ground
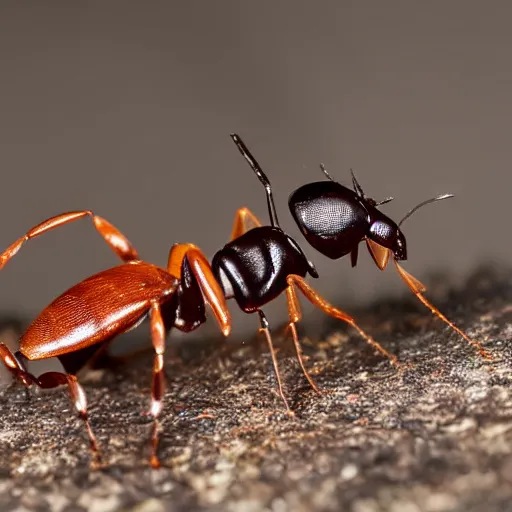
434, 437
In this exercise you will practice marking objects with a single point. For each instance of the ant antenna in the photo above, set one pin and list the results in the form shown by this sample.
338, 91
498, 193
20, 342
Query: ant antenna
356, 185
261, 175
428, 201
384, 201
324, 170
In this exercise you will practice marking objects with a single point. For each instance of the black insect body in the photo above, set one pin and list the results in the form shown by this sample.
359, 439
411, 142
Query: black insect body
260, 262
254, 267
335, 219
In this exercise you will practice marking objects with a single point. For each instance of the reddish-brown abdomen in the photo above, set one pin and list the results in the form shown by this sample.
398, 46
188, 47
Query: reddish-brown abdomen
96, 309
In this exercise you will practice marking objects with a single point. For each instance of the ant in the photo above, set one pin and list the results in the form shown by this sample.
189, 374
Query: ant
335, 219
258, 264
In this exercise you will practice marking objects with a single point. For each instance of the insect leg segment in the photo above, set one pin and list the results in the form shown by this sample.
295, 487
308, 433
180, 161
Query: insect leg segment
158, 340
52, 380
158, 386
266, 331
379, 253
418, 288
78, 397
295, 315
114, 238
245, 220
14, 364
203, 273
329, 309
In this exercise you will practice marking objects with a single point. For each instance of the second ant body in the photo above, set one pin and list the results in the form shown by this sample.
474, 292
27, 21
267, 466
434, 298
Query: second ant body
335, 219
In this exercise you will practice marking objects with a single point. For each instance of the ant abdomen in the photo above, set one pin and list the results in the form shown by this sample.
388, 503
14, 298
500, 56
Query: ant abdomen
330, 216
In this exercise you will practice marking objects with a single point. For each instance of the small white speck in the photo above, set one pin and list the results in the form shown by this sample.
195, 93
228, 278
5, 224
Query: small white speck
349, 472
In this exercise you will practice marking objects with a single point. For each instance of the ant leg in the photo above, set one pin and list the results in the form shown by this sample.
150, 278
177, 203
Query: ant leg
417, 288
14, 365
264, 327
54, 379
114, 238
329, 309
203, 273
51, 380
295, 315
158, 386
379, 253
245, 220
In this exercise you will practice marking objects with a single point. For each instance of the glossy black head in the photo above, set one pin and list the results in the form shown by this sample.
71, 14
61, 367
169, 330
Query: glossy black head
386, 233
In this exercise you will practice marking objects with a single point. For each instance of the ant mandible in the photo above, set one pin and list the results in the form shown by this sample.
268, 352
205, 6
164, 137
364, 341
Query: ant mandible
335, 219
261, 262
81, 322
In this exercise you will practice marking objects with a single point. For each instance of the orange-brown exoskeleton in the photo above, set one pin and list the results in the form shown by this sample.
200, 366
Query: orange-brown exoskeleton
80, 322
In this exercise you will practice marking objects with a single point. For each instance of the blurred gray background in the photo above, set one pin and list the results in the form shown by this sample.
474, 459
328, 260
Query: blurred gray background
126, 107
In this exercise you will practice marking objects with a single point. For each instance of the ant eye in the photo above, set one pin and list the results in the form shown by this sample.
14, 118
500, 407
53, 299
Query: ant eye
382, 231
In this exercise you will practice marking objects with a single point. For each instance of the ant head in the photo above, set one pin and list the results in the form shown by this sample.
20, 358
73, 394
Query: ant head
383, 230
389, 235
386, 233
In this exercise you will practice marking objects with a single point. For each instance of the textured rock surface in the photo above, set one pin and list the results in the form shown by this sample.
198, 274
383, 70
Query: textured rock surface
433, 437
